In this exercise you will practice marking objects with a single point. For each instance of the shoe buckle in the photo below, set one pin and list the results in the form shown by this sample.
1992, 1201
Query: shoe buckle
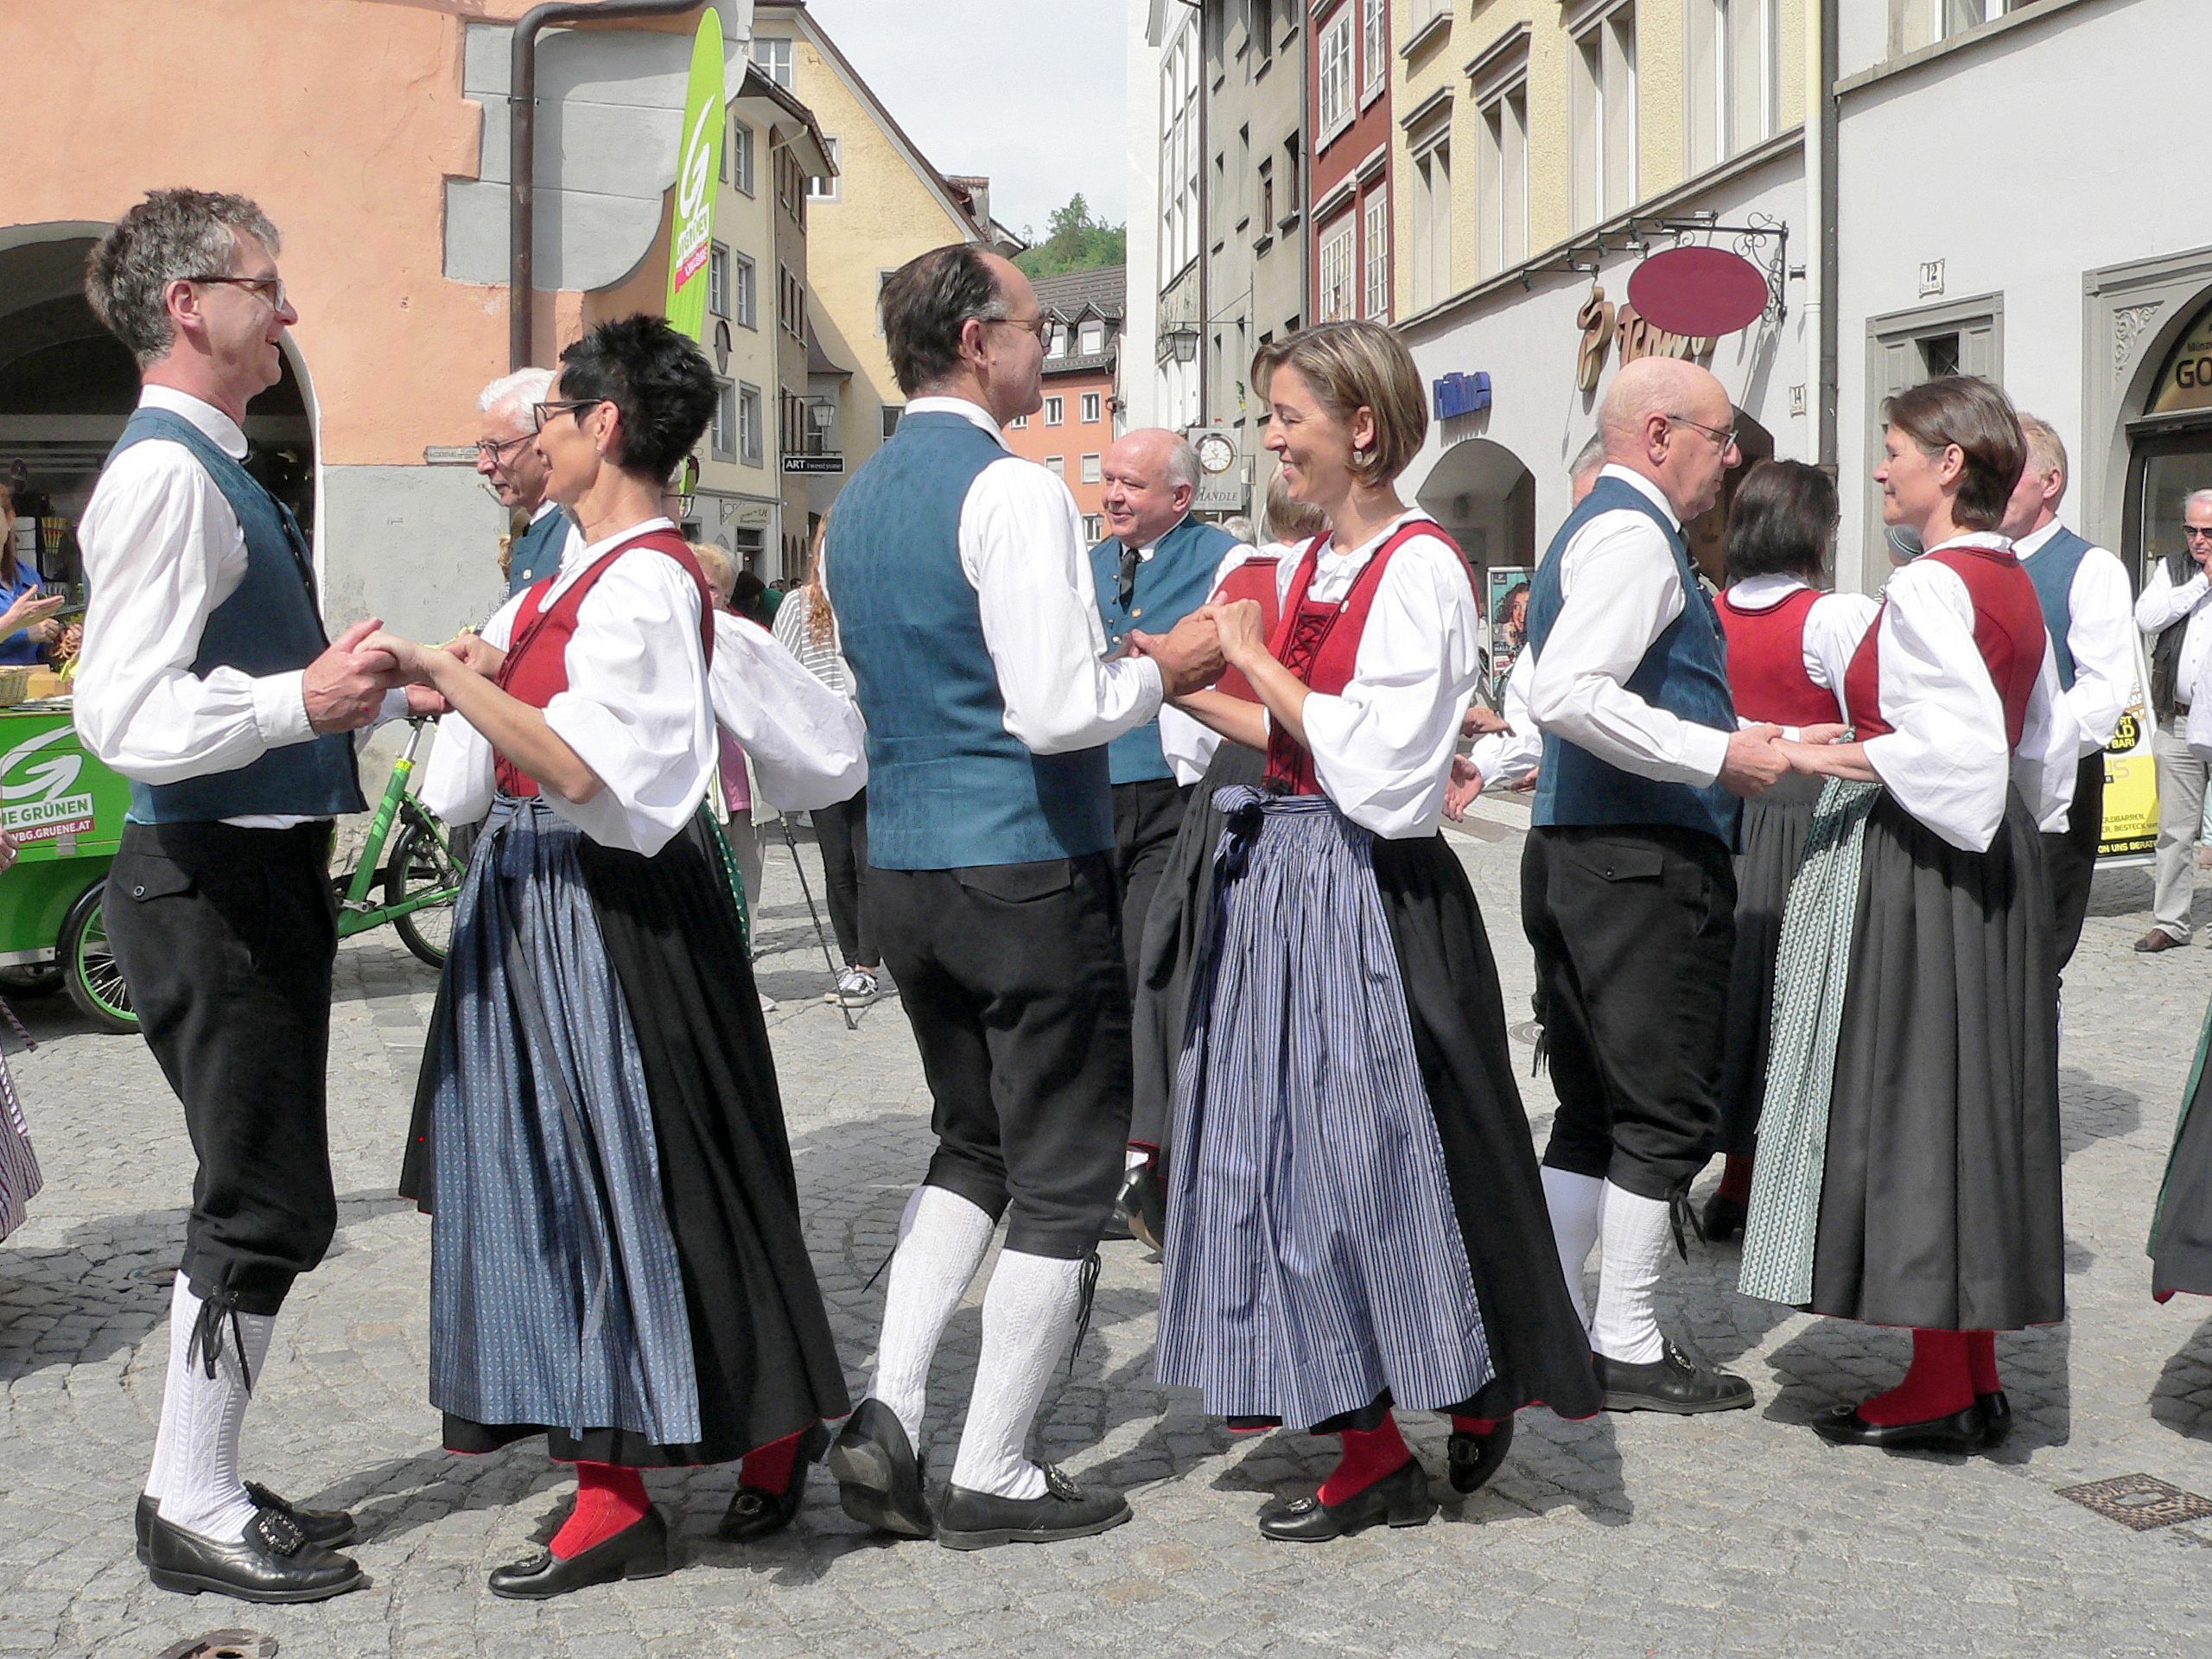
748, 1504
279, 1532
1057, 1484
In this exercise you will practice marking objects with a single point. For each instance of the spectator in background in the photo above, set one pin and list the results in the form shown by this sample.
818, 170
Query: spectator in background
754, 600
2173, 611
26, 621
508, 461
737, 788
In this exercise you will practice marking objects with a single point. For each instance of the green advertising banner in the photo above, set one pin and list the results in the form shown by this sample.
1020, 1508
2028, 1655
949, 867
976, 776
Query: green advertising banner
698, 169
58, 801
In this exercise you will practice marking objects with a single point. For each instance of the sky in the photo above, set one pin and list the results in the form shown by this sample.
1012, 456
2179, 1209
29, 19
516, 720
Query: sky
1028, 92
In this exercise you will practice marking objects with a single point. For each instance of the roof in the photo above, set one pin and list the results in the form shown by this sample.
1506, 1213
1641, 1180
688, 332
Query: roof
757, 85
1073, 294
817, 361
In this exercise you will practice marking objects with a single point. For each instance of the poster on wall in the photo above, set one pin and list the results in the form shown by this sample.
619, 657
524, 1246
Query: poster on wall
2131, 826
1507, 621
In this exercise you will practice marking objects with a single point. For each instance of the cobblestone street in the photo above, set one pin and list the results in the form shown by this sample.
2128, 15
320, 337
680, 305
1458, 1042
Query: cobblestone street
1739, 1534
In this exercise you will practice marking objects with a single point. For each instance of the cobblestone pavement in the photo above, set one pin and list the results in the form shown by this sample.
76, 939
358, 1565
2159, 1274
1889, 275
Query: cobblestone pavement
1634, 1535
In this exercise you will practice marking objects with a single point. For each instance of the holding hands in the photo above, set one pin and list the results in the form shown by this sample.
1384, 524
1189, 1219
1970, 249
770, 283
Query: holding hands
1191, 654
1757, 760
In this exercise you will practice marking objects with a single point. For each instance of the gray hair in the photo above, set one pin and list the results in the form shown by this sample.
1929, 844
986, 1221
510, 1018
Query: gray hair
1589, 458
524, 387
2194, 497
1183, 462
170, 236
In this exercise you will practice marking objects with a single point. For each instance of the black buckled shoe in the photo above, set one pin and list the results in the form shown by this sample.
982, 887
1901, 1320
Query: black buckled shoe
640, 1550
1673, 1382
754, 1512
1400, 1498
1471, 1459
878, 1476
1723, 1218
1996, 1418
274, 1562
1964, 1430
329, 1528
1142, 1206
971, 1520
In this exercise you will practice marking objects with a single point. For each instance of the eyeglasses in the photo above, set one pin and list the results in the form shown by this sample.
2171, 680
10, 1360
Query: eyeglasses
1041, 326
541, 413
496, 452
271, 288
2195, 533
1725, 437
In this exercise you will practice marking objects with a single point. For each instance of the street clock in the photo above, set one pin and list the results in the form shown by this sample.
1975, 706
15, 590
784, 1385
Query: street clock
1217, 452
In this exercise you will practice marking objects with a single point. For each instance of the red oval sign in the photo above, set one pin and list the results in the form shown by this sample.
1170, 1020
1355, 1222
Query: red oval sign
1699, 290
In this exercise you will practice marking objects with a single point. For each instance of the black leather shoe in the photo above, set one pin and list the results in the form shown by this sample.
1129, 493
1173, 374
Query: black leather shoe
331, 1529
1723, 1218
754, 1512
274, 1562
1400, 1498
1672, 1383
1142, 1206
1471, 1459
640, 1550
1964, 1430
969, 1519
1996, 1418
142, 1522
878, 1476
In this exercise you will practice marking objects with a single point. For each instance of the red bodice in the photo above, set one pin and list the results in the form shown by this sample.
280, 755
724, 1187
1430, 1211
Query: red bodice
2008, 631
1255, 579
1766, 663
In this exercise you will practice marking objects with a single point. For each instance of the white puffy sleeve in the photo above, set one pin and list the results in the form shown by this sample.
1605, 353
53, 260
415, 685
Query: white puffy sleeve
806, 742
1189, 744
1508, 756
1833, 628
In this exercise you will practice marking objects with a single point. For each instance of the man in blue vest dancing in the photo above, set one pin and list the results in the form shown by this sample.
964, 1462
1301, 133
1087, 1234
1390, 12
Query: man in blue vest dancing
206, 679
2090, 611
965, 608
1627, 889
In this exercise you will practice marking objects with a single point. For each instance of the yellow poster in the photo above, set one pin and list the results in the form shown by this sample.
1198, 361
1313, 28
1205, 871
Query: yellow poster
2131, 828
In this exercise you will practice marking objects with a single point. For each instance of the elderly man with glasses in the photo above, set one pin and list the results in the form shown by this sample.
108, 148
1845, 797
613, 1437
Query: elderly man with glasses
508, 463
2173, 611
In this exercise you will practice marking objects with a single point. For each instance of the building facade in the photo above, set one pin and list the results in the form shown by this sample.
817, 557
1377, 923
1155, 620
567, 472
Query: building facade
1349, 66
1080, 418
1179, 199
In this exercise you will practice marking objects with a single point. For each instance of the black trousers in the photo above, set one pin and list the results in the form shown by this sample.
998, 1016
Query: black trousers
2071, 858
1633, 927
227, 936
1012, 977
841, 831
1147, 815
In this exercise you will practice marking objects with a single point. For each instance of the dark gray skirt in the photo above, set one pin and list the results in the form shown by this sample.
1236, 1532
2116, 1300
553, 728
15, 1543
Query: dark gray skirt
2181, 1225
1940, 1204
1773, 843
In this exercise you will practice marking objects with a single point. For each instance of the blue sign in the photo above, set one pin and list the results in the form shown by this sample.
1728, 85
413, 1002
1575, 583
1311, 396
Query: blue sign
1461, 394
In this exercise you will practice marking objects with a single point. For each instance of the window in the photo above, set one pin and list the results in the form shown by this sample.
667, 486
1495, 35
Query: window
1094, 528
1179, 155
1502, 176
1734, 78
1427, 11
1374, 47
1059, 348
774, 57
1601, 116
824, 189
1018, 424
1091, 338
718, 279
1430, 268
1335, 300
1334, 77
1091, 409
1057, 466
740, 157
1957, 16
1260, 28
821, 426
747, 296
1056, 410
1289, 180
722, 428
1964, 336
749, 424
1091, 469
893, 411
1376, 306
1267, 198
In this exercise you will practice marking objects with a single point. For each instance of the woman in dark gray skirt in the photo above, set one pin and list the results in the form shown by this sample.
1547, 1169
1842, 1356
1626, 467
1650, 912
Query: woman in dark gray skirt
1909, 1145
2181, 1223
1789, 644
1355, 1220
616, 1257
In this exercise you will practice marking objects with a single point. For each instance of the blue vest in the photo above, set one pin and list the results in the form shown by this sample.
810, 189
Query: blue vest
948, 787
1170, 585
2052, 569
537, 552
271, 624
1685, 672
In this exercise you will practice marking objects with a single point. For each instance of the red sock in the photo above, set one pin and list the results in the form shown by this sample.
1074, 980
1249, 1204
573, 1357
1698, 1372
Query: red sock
1938, 1384
768, 1468
1475, 1425
1736, 1179
609, 1497
1368, 1455
1981, 1361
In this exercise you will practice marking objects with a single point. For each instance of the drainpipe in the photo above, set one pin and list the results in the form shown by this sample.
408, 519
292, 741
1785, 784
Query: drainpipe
1823, 323
522, 154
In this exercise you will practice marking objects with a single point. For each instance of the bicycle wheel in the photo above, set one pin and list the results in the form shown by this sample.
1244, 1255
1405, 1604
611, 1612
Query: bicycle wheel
90, 970
418, 862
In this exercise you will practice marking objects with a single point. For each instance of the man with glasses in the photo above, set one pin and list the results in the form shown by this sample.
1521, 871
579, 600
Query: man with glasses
508, 463
2174, 612
1628, 885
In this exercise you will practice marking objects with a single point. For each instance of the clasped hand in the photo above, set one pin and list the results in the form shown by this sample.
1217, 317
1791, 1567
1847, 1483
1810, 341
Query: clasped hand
344, 688
1191, 655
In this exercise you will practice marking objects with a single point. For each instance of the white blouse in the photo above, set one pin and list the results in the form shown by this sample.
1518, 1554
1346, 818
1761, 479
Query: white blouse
806, 742
1834, 626
1508, 756
637, 711
1189, 744
1946, 760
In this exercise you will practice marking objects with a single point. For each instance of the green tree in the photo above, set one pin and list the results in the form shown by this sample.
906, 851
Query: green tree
1074, 241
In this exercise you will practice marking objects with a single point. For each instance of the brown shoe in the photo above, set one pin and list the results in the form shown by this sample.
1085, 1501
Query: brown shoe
2158, 939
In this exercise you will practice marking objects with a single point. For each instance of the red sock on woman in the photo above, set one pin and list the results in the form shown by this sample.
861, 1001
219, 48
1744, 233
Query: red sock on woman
1475, 1425
1368, 1455
1736, 1178
1981, 1361
609, 1499
1939, 1382
768, 1468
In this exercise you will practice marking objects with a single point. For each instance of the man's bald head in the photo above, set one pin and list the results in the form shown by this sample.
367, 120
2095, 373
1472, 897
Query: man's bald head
1148, 478
1671, 423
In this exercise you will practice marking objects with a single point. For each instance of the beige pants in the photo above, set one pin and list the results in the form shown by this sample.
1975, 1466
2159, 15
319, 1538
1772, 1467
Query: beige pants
2182, 775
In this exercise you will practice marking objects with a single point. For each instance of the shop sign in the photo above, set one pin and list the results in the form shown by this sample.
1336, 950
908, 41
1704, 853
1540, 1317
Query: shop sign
52, 793
2187, 381
698, 166
1603, 324
2130, 831
814, 463
1461, 394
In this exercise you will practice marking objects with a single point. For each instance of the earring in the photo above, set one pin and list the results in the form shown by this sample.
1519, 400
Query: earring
1359, 457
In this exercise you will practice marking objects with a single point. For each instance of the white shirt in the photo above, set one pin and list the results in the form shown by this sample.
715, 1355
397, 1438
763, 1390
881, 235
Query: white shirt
2164, 603
1834, 627
162, 548
806, 742
1947, 761
1189, 744
637, 708
2101, 636
1508, 756
1619, 591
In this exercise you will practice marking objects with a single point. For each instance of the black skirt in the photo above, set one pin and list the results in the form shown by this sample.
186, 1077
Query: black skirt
1939, 1200
2181, 1228
1773, 843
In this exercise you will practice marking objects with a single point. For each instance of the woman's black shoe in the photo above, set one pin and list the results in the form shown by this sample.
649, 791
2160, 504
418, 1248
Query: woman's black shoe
1996, 1418
640, 1550
274, 1562
755, 1513
1471, 1459
1964, 1430
1723, 1218
1400, 1498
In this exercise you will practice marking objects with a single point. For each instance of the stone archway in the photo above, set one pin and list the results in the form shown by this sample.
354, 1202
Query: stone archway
1485, 498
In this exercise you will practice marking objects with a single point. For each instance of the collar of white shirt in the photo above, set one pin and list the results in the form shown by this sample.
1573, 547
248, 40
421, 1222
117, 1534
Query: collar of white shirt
1334, 554
1145, 553
2028, 546
1983, 539
219, 428
544, 507
1764, 592
974, 414
1651, 491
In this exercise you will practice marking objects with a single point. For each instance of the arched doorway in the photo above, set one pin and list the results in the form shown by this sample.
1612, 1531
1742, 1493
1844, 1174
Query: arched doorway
1486, 500
1708, 534
2170, 446
67, 386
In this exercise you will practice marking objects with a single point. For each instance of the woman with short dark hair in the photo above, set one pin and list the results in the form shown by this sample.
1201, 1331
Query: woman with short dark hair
1909, 1146
616, 1258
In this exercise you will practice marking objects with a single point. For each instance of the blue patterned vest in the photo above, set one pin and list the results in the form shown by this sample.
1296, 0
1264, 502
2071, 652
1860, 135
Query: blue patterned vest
1170, 585
2052, 569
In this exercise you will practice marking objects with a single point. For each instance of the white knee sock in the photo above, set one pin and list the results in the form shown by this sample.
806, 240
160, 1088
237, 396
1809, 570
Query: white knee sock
1029, 1314
1577, 1204
942, 1239
195, 1477
1636, 1238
